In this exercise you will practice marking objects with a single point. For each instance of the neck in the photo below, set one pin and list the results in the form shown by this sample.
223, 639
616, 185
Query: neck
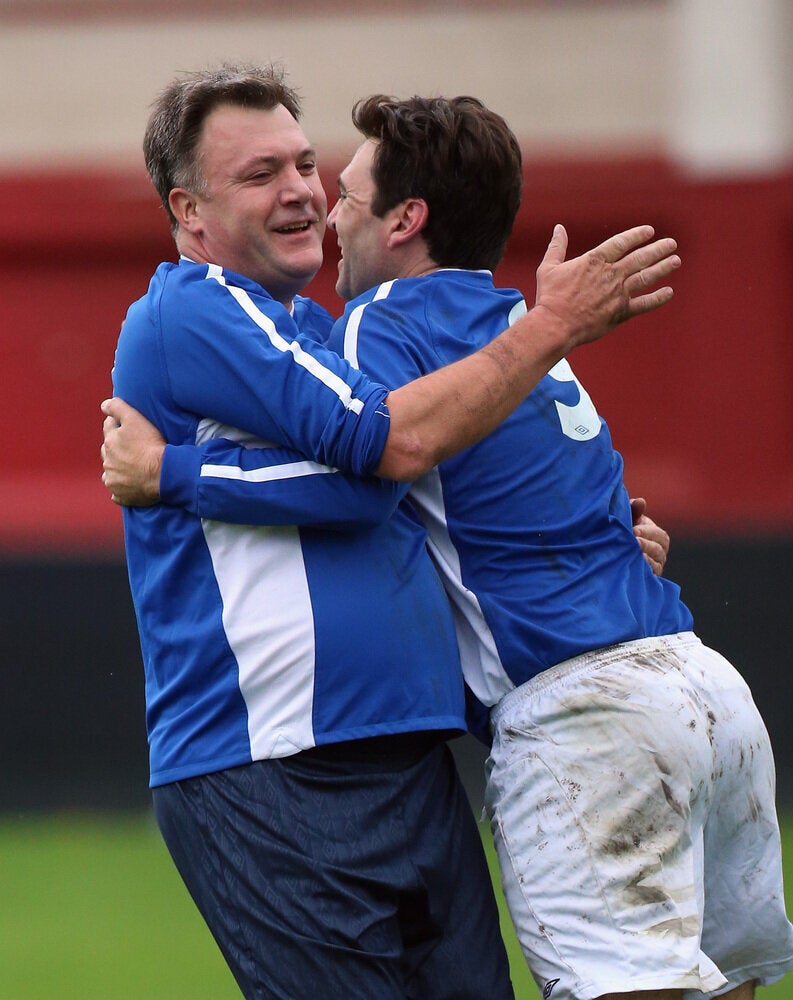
193, 250
416, 265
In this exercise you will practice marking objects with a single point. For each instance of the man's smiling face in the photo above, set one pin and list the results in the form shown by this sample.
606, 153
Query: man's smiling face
262, 210
362, 236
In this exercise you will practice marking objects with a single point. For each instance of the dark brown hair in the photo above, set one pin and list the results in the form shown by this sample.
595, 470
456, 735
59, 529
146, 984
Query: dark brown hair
457, 155
179, 113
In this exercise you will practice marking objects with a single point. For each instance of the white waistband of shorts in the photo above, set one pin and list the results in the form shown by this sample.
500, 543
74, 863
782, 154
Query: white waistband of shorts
593, 660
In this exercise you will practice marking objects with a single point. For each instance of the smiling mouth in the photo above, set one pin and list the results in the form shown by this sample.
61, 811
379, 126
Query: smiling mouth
295, 227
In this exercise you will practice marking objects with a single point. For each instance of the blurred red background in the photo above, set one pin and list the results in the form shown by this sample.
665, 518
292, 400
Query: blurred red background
697, 396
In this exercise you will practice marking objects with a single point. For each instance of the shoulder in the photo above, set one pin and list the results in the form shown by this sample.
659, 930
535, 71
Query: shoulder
396, 307
188, 275
312, 319
218, 296
448, 288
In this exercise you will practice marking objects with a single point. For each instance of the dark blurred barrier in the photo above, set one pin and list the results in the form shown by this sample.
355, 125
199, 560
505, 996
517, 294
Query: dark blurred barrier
71, 702
72, 726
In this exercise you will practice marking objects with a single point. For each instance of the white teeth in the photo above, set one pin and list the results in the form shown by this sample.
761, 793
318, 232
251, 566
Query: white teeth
297, 227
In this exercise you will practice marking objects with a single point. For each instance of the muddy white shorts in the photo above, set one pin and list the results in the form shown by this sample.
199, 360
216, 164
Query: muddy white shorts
631, 796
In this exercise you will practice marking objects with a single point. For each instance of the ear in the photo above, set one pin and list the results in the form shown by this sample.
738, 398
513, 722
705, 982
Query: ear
410, 219
184, 206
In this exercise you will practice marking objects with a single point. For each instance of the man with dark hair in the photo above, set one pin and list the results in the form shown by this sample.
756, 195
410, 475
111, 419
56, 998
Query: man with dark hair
631, 781
471, 172
301, 683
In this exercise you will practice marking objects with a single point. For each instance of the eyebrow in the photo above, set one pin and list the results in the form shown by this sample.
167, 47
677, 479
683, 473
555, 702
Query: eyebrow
275, 160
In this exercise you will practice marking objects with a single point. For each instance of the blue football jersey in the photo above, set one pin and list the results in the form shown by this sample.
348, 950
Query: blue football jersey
263, 641
531, 528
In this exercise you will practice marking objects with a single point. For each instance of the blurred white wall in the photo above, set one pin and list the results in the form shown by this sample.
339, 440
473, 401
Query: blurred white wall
732, 67
708, 80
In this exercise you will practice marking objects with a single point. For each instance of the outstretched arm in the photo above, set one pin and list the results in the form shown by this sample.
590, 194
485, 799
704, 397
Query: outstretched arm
578, 301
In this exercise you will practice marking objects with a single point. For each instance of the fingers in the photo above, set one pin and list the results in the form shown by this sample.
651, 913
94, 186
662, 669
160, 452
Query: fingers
115, 407
109, 424
557, 248
650, 264
638, 509
653, 552
105, 477
654, 542
643, 265
641, 304
652, 274
655, 564
645, 268
617, 247
646, 256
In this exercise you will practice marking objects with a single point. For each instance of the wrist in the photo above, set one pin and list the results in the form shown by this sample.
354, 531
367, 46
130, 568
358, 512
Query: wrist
550, 336
153, 468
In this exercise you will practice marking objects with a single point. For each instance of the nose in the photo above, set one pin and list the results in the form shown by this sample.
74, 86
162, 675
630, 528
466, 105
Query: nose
332, 216
297, 188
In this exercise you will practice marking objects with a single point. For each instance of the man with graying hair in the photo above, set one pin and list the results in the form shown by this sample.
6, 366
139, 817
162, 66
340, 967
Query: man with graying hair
301, 683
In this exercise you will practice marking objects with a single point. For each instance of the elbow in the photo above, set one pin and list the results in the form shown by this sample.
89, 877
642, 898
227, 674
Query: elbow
405, 458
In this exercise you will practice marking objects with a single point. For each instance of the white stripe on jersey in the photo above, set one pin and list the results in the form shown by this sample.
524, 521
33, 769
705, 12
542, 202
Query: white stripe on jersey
351, 329
305, 360
482, 667
266, 607
261, 575
481, 664
209, 429
291, 470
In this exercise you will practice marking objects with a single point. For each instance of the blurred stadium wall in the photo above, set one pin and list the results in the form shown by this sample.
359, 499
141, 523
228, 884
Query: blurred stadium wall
673, 112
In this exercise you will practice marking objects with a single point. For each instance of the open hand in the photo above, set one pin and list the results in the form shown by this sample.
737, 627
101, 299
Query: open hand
593, 293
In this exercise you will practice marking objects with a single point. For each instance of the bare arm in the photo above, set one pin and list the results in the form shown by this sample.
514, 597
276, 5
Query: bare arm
578, 301
439, 414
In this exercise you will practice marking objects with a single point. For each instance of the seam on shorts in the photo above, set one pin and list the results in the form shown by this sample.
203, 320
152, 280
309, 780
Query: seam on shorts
220, 870
577, 987
596, 659
774, 969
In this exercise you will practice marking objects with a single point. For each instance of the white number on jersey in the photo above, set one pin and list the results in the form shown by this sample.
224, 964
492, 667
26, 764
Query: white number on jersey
580, 422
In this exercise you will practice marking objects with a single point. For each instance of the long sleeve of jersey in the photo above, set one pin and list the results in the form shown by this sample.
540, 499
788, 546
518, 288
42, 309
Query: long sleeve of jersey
207, 349
263, 636
530, 528
225, 481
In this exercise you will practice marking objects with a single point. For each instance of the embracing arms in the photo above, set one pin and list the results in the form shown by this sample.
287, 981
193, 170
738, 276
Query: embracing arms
577, 301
